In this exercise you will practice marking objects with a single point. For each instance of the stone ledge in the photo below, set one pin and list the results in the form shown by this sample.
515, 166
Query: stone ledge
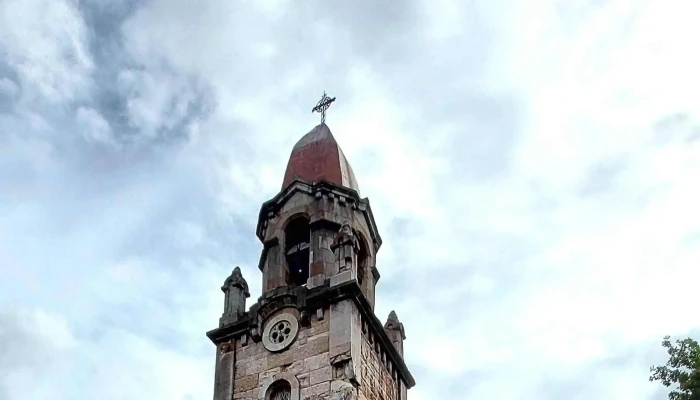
321, 297
312, 189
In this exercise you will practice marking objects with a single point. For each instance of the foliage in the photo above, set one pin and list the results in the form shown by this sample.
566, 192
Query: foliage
682, 369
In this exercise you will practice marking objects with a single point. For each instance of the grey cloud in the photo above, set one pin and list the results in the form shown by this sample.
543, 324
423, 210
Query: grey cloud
667, 127
143, 101
679, 125
9, 93
625, 358
25, 344
443, 86
486, 130
602, 176
10, 87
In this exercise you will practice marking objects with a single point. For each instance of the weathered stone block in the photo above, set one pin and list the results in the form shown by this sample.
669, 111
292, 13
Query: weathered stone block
345, 276
304, 380
319, 327
341, 390
296, 367
280, 359
321, 375
316, 390
315, 345
247, 395
267, 374
316, 268
316, 280
246, 383
303, 333
249, 351
250, 366
316, 362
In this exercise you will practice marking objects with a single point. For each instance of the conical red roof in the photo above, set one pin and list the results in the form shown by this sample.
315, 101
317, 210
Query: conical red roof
317, 157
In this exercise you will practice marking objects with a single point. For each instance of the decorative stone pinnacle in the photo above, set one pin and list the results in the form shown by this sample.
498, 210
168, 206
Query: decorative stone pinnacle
393, 324
236, 280
393, 317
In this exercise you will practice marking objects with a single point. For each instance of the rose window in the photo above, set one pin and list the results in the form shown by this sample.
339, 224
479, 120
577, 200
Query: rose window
280, 332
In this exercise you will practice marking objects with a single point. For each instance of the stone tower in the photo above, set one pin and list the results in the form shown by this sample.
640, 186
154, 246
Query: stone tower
313, 333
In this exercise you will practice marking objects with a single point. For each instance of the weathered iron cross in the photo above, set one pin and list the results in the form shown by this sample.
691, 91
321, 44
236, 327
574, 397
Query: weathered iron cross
322, 106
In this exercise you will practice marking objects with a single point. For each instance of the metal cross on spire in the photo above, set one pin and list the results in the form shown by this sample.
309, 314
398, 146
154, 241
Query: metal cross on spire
322, 106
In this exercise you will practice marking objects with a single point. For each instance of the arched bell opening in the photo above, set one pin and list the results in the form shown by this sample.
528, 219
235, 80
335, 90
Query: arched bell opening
297, 239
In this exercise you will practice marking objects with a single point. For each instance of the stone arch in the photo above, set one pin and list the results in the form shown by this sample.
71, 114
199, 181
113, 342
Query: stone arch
285, 220
279, 390
278, 380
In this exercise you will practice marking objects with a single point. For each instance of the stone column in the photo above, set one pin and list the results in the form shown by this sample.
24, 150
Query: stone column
274, 271
345, 341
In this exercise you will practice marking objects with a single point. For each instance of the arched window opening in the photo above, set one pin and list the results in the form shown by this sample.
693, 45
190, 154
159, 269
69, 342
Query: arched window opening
298, 247
280, 390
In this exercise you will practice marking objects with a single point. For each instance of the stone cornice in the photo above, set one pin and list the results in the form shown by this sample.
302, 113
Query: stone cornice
317, 189
309, 301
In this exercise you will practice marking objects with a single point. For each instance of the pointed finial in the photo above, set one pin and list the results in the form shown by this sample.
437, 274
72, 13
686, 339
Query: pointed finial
393, 317
393, 324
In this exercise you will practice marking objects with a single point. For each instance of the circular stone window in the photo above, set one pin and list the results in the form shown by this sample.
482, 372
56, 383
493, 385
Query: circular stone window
280, 332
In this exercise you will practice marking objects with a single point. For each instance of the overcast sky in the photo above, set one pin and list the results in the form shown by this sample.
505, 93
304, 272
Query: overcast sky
533, 167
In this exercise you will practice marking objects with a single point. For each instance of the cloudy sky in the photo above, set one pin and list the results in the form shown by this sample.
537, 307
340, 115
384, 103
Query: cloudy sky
533, 168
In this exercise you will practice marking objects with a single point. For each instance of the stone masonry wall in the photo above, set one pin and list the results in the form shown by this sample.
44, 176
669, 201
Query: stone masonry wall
307, 358
377, 382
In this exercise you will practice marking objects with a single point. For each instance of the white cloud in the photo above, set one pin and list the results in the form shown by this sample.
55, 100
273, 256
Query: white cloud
46, 42
94, 126
8, 88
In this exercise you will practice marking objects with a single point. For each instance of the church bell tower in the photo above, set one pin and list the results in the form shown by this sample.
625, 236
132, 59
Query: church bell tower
313, 333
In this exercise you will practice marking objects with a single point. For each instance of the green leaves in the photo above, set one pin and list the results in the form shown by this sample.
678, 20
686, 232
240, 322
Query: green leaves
682, 369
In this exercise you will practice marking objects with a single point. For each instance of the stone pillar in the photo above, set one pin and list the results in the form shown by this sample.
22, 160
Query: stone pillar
235, 290
345, 342
274, 271
394, 329
323, 263
373, 278
225, 371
